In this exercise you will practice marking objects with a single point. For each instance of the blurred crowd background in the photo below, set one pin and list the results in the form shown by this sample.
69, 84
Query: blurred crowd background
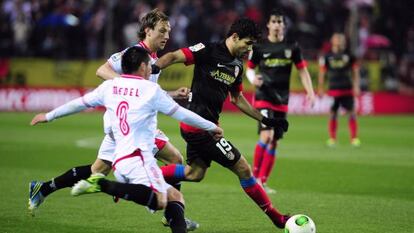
381, 30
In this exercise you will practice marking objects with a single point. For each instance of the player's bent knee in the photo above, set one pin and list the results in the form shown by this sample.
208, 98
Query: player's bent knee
100, 166
174, 195
161, 201
177, 158
171, 155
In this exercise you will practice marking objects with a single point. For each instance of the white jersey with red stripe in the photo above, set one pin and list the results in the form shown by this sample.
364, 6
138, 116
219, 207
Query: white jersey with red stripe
132, 104
115, 60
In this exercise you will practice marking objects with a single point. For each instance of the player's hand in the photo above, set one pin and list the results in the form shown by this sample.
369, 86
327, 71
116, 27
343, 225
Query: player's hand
181, 93
39, 118
258, 81
217, 133
311, 98
276, 123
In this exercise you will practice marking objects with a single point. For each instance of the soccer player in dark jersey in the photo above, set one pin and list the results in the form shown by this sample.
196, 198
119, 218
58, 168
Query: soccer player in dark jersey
217, 72
342, 71
274, 56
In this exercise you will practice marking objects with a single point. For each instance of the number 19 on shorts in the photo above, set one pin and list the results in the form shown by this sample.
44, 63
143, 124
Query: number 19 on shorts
224, 146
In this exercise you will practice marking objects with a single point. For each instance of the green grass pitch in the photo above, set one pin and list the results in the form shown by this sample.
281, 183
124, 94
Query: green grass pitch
343, 189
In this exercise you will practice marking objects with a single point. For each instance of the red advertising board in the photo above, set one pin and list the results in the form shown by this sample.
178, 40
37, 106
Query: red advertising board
43, 99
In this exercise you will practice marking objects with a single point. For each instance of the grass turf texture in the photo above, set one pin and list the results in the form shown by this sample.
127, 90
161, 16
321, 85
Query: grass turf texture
343, 189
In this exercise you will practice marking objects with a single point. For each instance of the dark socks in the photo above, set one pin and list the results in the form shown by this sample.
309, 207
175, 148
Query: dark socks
137, 193
174, 213
67, 179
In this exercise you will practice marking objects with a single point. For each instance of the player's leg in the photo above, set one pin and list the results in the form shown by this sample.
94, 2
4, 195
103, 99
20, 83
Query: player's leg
145, 183
38, 190
196, 167
174, 212
333, 123
269, 160
260, 148
227, 155
259, 151
193, 172
269, 155
256, 192
138, 193
168, 154
349, 105
174, 173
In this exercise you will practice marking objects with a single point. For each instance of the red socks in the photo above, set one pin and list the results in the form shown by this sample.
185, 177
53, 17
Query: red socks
258, 157
173, 173
259, 196
353, 126
333, 125
268, 162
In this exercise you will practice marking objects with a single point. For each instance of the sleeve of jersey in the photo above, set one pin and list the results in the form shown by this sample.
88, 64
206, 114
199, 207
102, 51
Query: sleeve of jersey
69, 108
89, 100
189, 56
322, 64
252, 61
163, 102
237, 87
354, 62
115, 62
190, 118
300, 63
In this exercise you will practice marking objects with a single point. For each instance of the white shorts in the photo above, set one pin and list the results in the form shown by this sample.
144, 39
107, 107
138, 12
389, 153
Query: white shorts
141, 168
107, 148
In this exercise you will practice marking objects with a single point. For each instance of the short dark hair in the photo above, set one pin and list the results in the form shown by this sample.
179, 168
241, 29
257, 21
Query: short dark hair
132, 59
277, 12
150, 20
244, 28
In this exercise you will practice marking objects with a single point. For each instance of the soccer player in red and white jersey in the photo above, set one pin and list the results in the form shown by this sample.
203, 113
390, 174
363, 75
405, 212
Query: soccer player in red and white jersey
218, 70
274, 56
342, 70
153, 35
132, 103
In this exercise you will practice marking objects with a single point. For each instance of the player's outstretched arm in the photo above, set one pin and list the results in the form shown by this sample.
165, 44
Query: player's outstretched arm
170, 58
71, 107
193, 119
106, 72
243, 105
